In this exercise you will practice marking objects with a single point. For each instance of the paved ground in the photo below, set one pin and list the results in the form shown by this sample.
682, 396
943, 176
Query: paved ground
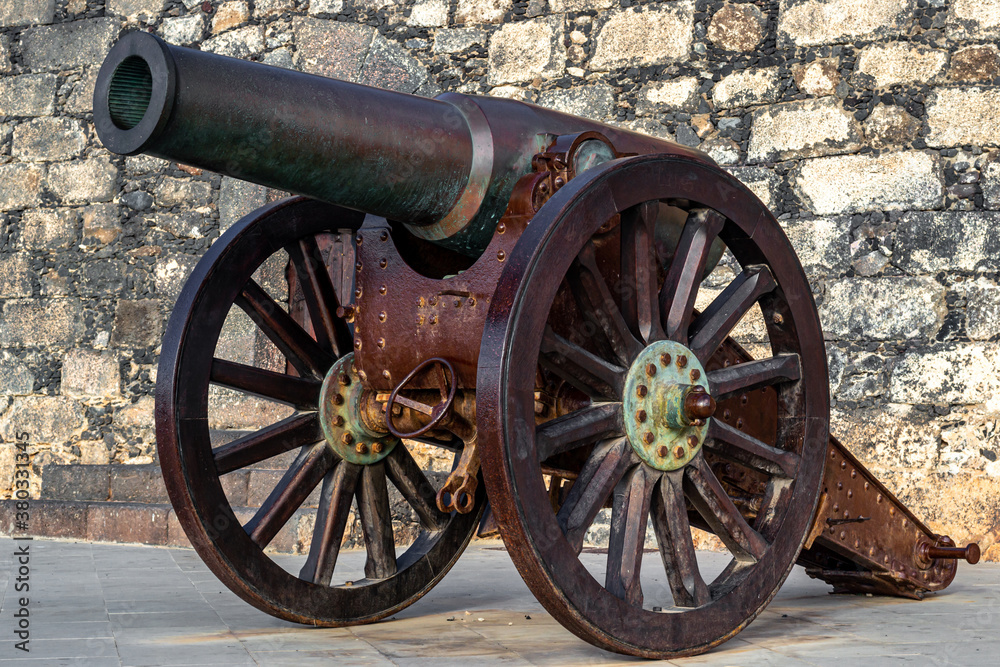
98, 604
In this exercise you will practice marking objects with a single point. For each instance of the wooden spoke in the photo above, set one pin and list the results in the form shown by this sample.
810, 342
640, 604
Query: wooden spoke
705, 492
331, 523
735, 445
411, 482
585, 371
597, 305
582, 427
295, 391
376, 522
299, 348
680, 289
629, 513
738, 378
321, 298
291, 433
673, 535
292, 490
639, 278
726, 310
603, 470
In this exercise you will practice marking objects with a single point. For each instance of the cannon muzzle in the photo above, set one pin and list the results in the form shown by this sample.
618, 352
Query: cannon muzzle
445, 167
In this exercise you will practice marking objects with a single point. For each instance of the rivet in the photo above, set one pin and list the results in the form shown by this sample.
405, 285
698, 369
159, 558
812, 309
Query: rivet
357, 293
384, 236
739, 423
471, 301
642, 390
347, 438
840, 486
421, 302
843, 534
640, 415
854, 473
344, 380
560, 181
778, 319
458, 303
434, 319
386, 374
725, 364
358, 266
357, 343
420, 320
433, 301
650, 370
695, 374
836, 507
833, 454
361, 448
743, 399
850, 493
501, 255
378, 447
358, 238
866, 486
662, 451
857, 543
649, 438
665, 359
727, 415
892, 511
692, 441
381, 316
682, 361
501, 228
381, 342
382, 263
338, 399
843, 465
338, 421
679, 452
381, 289
878, 498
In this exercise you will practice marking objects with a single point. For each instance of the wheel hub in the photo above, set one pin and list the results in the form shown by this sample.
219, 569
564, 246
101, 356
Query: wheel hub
667, 405
340, 417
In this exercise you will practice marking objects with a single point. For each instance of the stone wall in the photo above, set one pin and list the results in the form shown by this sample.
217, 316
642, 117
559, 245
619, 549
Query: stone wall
870, 128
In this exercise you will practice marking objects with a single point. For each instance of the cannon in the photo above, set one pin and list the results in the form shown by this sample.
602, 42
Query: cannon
522, 294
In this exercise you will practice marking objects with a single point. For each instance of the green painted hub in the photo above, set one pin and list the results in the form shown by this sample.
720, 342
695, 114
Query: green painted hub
656, 387
340, 417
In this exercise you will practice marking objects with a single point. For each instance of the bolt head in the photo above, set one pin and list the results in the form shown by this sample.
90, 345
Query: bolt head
649, 437
338, 399
338, 421
361, 448
682, 361
679, 452
642, 390
695, 374
665, 359
662, 451
692, 441
344, 380
650, 370
640, 416
378, 447
347, 438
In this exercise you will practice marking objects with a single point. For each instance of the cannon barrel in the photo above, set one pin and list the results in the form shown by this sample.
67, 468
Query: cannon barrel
445, 167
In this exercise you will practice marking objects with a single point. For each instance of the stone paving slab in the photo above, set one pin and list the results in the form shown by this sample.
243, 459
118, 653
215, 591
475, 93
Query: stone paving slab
102, 605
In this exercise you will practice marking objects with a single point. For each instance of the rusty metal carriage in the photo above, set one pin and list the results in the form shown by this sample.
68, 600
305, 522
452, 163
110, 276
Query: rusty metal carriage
517, 288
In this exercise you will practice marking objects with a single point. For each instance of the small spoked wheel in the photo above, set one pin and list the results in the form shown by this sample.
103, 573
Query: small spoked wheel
255, 399
660, 427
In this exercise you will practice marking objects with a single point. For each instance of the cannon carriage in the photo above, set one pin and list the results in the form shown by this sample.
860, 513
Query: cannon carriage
515, 290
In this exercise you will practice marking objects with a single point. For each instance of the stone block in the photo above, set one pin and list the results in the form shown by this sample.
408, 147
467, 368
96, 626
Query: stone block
579, 5
40, 323
100, 224
724, 151
20, 186
83, 181
958, 373
265, 8
819, 78
475, 12
982, 312
524, 50
901, 63
891, 436
762, 182
138, 323
900, 181
331, 48
48, 518
81, 95
28, 95
46, 419
823, 245
182, 30
890, 125
980, 62
680, 93
806, 128
974, 19
47, 139
660, 34
959, 116
137, 483
137, 415
90, 374
595, 101
148, 9
26, 12
325, 7
815, 22
16, 276
737, 27
183, 225
889, 308
170, 273
127, 522
235, 485
68, 45
229, 15
182, 192
175, 533
930, 243
747, 88
16, 379
388, 65
429, 13
991, 185
239, 43
456, 40
75, 482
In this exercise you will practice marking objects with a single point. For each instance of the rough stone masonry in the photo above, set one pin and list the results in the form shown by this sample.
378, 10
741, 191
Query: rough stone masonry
869, 127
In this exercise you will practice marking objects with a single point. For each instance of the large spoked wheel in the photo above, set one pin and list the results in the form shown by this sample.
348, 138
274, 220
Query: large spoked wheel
307, 426
597, 312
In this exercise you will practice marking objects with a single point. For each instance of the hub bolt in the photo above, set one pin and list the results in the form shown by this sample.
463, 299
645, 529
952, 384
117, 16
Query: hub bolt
338, 399
678, 452
665, 359
642, 390
682, 361
338, 421
662, 451
692, 441
360, 448
344, 380
378, 447
347, 438
650, 370
695, 374
649, 438
640, 415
